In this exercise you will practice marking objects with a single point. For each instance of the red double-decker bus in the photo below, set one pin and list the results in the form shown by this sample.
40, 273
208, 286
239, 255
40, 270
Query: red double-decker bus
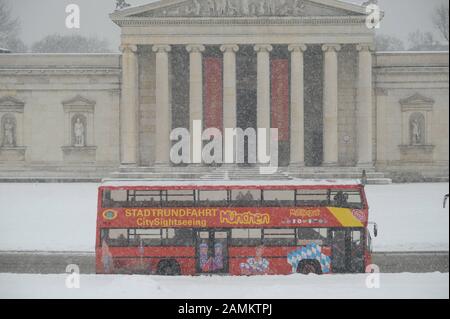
232, 227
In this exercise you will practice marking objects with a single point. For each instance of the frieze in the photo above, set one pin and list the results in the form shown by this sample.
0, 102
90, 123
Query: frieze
243, 8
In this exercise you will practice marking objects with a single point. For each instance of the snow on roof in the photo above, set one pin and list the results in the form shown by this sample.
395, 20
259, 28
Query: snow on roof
169, 183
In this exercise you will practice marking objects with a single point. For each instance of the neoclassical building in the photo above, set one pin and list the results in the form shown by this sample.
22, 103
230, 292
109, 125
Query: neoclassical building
306, 67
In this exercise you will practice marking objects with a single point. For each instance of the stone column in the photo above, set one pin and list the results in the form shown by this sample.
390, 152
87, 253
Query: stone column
330, 105
364, 105
195, 81
163, 109
263, 87
195, 93
129, 106
229, 85
297, 105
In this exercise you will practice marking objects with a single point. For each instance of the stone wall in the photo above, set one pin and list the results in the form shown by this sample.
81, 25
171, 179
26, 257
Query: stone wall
55, 90
44, 94
408, 83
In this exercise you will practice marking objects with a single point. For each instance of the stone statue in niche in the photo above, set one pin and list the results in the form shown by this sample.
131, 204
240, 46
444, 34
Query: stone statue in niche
9, 129
416, 132
78, 130
417, 129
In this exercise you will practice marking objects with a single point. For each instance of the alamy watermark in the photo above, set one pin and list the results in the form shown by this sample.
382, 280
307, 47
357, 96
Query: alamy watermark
73, 277
228, 148
73, 16
373, 18
373, 277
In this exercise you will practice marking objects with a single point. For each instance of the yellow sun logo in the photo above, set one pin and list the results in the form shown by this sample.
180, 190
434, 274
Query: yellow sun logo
109, 214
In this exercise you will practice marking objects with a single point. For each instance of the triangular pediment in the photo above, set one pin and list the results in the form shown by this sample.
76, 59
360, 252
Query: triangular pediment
78, 101
417, 99
241, 8
11, 101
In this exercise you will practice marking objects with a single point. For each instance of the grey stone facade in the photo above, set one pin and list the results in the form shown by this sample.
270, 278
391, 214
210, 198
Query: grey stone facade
43, 94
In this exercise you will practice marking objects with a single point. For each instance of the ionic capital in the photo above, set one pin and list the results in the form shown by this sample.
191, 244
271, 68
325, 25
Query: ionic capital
128, 48
365, 47
229, 48
195, 48
298, 47
331, 47
161, 48
263, 48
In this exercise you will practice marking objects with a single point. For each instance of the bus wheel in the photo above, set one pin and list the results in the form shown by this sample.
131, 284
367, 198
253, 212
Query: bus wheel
307, 267
169, 268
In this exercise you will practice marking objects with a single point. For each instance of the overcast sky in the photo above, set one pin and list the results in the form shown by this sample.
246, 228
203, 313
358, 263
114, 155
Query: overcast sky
42, 17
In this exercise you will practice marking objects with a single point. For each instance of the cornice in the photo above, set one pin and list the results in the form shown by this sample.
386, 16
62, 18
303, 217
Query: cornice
35, 72
326, 20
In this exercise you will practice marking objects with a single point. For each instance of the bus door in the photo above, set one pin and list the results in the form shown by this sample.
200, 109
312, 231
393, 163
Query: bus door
347, 251
212, 251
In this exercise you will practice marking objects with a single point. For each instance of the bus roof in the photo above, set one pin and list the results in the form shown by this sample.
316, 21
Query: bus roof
348, 183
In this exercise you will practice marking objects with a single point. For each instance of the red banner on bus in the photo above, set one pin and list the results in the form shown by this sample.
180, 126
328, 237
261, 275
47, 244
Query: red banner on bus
240, 217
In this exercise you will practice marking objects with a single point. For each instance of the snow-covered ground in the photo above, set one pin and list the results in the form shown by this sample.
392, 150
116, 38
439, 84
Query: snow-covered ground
432, 285
410, 217
62, 217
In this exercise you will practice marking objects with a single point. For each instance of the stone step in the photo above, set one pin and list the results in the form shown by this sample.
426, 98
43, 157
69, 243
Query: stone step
93, 173
379, 181
337, 175
173, 175
442, 179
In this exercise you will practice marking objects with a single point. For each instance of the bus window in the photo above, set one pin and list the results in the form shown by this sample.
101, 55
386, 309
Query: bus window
311, 197
179, 198
106, 198
115, 237
114, 198
357, 251
245, 197
208, 198
182, 237
279, 198
279, 237
144, 198
146, 237
307, 236
346, 199
131, 198
245, 237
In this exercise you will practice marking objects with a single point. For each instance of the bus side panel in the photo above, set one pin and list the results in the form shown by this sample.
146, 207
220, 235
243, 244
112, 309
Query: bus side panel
98, 261
276, 260
368, 259
187, 266
276, 266
129, 259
